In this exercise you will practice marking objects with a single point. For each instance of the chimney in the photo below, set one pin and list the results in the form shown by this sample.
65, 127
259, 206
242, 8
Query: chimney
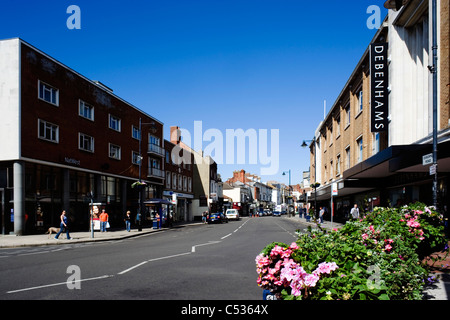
242, 176
175, 135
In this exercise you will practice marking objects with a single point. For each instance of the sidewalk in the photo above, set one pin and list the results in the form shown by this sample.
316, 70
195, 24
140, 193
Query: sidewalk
12, 241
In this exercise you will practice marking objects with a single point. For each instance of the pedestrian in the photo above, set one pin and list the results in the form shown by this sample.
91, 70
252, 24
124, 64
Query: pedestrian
128, 221
204, 217
64, 226
355, 212
103, 220
321, 213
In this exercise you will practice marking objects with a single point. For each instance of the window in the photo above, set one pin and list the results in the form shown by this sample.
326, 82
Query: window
154, 140
168, 180
360, 102
184, 183
331, 170
114, 152
174, 181
86, 110
86, 142
167, 157
135, 133
48, 93
338, 165
136, 159
359, 144
347, 115
338, 126
114, 123
376, 142
190, 184
48, 131
180, 182
347, 158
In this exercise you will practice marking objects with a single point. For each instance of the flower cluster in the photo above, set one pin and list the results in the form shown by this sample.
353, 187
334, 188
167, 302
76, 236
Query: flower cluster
372, 237
278, 271
413, 223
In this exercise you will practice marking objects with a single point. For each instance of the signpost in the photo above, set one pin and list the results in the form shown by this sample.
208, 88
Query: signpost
334, 193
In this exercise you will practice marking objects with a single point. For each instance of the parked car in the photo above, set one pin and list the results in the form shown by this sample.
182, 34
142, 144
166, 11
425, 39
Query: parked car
232, 214
267, 212
277, 213
217, 217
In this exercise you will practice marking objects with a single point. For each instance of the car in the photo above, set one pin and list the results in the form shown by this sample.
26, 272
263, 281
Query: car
217, 217
277, 213
232, 214
267, 212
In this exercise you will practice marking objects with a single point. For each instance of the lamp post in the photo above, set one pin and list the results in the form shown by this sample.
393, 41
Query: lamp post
433, 70
140, 170
289, 191
316, 184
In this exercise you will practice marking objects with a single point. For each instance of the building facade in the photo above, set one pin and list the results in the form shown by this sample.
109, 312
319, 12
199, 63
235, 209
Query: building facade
69, 138
179, 180
371, 167
206, 182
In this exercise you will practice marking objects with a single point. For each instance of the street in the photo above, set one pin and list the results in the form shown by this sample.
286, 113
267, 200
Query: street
201, 262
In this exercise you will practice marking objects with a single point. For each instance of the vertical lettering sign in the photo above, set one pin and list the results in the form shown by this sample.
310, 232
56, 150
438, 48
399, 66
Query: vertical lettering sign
379, 72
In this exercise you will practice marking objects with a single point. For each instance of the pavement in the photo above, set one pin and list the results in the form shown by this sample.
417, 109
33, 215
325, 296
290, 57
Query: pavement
13, 241
441, 270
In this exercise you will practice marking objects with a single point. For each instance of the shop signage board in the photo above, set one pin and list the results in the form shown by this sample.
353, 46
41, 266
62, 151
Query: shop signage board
379, 75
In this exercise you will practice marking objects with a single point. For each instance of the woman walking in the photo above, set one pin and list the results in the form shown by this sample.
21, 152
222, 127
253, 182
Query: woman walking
64, 226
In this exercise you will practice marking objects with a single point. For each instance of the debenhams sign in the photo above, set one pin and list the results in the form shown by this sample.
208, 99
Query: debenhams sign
379, 71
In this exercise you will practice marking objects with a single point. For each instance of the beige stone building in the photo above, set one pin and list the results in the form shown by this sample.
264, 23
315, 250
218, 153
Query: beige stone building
386, 167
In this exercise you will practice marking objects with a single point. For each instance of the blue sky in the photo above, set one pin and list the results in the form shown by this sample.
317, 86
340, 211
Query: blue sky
247, 64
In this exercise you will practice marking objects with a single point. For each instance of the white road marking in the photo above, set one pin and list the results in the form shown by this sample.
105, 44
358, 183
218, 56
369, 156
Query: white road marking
58, 284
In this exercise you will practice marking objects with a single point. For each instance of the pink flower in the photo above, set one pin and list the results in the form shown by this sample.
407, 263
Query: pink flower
294, 246
311, 280
388, 247
371, 228
326, 267
365, 236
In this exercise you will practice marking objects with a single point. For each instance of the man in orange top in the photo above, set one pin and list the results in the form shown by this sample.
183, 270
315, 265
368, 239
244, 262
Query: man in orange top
103, 220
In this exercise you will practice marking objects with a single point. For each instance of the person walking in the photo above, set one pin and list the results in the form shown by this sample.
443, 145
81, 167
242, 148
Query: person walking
103, 220
355, 212
321, 213
64, 226
128, 221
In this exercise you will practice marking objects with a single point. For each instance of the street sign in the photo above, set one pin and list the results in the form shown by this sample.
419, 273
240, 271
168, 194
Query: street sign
427, 159
433, 170
334, 189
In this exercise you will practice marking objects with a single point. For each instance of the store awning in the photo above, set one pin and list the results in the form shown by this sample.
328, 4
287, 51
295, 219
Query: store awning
157, 201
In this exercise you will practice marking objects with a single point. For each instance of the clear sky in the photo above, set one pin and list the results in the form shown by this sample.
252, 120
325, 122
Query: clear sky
234, 64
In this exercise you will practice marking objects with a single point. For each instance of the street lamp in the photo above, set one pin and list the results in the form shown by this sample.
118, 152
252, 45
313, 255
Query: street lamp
316, 184
140, 169
289, 191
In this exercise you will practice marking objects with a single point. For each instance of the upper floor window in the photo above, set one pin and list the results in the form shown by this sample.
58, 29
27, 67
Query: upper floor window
360, 102
48, 93
86, 142
114, 123
359, 143
114, 151
154, 140
86, 110
48, 131
135, 133
135, 157
347, 115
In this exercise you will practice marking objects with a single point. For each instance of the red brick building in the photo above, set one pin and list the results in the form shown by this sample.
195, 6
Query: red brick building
68, 136
179, 180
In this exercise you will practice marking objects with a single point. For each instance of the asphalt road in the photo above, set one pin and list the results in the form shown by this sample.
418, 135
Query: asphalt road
202, 262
